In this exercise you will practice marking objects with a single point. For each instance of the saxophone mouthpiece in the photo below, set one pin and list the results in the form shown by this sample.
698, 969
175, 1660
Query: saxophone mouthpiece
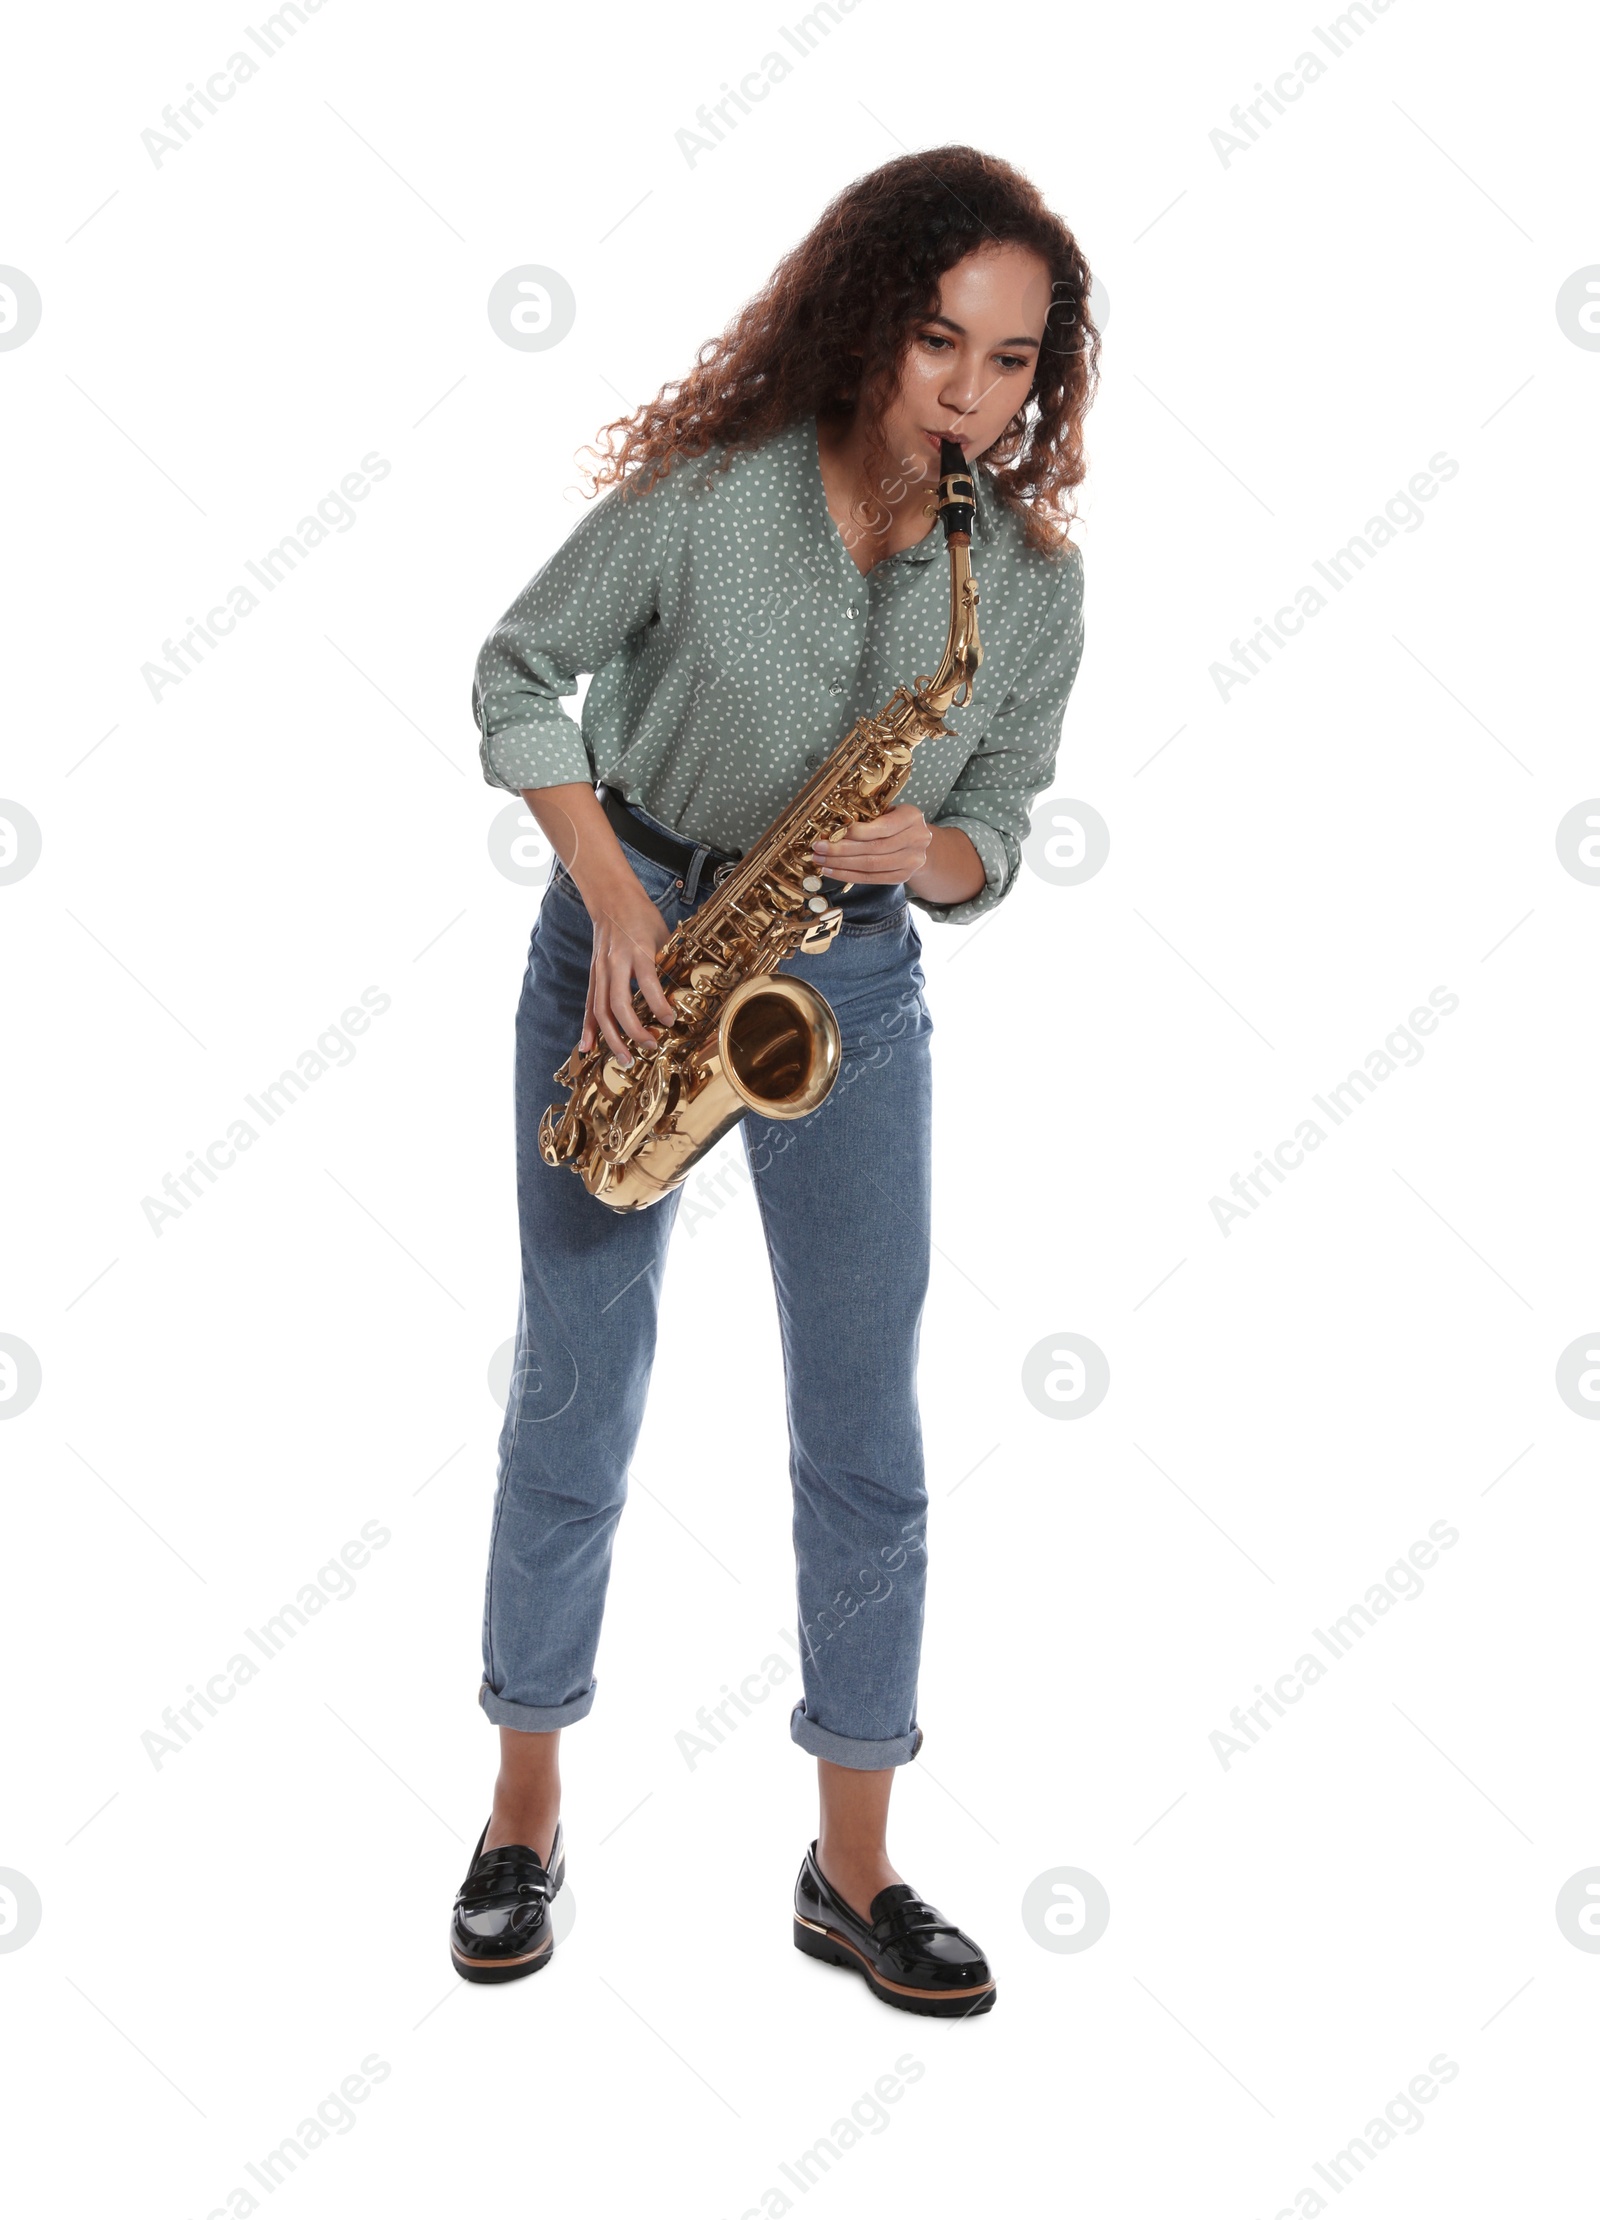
957, 494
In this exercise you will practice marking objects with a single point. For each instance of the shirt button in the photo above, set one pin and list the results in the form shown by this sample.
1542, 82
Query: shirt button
836, 685
854, 610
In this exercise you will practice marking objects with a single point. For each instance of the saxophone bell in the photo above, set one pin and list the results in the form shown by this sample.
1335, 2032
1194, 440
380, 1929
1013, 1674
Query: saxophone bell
779, 1044
775, 1050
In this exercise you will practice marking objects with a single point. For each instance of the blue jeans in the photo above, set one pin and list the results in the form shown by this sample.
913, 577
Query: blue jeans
844, 1202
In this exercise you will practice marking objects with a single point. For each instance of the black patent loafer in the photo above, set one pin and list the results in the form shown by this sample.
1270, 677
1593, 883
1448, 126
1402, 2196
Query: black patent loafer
500, 1927
908, 1953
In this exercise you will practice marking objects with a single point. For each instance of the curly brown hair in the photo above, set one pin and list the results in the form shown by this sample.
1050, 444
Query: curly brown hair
829, 330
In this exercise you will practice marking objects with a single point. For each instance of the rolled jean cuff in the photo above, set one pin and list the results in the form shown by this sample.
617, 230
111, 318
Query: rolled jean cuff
536, 1718
842, 1749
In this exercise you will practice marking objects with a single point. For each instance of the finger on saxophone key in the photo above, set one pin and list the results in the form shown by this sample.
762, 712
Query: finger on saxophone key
656, 995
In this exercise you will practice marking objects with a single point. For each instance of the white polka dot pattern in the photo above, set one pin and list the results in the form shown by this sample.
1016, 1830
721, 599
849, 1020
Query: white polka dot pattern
733, 643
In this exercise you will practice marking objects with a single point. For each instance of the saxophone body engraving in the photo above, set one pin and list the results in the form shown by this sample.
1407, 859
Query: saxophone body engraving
745, 1037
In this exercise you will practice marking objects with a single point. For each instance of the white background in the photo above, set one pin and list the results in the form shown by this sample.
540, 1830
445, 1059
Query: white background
1292, 1939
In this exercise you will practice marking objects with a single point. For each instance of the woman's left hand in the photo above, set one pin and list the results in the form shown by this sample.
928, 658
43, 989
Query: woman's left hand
889, 849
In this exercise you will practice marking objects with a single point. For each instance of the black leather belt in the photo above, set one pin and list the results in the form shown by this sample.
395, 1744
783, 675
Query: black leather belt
651, 841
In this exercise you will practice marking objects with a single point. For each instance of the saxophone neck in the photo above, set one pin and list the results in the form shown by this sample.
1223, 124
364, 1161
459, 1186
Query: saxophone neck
951, 685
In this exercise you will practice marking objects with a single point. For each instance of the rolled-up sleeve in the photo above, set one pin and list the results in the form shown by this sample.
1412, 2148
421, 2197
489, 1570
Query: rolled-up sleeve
993, 796
596, 591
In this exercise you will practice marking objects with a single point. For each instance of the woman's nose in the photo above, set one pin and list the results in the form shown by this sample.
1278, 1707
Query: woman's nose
962, 391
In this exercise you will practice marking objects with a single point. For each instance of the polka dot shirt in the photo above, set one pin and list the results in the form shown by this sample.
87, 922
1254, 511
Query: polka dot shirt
733, 643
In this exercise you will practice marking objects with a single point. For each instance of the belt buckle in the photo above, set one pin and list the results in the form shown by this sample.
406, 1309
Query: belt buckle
722, 870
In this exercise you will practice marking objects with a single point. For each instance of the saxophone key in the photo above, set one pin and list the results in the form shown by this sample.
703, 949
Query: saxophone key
820, 937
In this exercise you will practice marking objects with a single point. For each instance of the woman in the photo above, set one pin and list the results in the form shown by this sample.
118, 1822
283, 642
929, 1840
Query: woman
766, 568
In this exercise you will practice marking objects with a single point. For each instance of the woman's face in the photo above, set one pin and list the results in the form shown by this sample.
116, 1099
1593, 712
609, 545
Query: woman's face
968, 369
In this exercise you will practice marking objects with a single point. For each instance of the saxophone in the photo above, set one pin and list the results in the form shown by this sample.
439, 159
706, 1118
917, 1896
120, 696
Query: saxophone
744, 1038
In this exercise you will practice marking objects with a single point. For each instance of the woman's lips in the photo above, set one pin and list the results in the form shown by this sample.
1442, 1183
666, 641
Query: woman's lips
934, 439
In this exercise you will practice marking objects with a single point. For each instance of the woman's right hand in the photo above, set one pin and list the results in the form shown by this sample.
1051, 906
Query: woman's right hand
628, 932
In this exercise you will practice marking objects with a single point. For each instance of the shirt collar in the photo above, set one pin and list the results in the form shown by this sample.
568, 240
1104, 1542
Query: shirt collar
921, 551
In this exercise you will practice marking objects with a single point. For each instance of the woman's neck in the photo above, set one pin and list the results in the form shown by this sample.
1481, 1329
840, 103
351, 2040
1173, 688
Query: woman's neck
873, 521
